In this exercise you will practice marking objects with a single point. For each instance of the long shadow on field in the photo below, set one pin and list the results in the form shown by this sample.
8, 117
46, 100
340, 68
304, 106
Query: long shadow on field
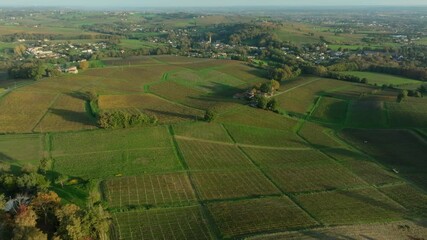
72, 116
78, 95
6, 158
173, 114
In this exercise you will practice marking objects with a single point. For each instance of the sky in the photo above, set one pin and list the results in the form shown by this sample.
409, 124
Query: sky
205, 3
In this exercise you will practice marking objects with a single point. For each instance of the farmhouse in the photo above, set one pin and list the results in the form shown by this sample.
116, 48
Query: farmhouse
72, 70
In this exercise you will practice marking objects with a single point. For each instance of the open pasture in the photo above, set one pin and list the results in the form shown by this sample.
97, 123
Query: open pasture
351, 207
21, 111
239, 218
68, 113
153, 189
265, 137
232, 184
380, 79
208, 156
11, 148
174, 223
314, 178
165, 111
205, 131
402, 150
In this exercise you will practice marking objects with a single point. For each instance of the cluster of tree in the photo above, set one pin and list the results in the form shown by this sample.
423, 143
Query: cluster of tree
210, 115
125, 119
32, 70
268, 87
267, 103
28, 210
420, 92
346, 77
41, 36
284, 73
380, 64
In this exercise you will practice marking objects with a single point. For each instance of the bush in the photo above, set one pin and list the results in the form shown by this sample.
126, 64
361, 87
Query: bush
210, 116
122, 119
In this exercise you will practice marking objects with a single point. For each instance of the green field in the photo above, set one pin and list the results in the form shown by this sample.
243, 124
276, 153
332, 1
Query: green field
380, 79
248, 173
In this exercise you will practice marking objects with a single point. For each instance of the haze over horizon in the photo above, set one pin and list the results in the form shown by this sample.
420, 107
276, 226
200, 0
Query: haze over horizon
217, 3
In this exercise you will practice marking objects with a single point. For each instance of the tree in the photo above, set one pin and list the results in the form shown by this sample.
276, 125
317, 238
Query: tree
100, 221
45, 205
83, 65
262, 102
28, 233
25, 225
402, 96
210, 115
275, 85
265, 87
28, 168
19, 50
71, 225
2, 202
273, 105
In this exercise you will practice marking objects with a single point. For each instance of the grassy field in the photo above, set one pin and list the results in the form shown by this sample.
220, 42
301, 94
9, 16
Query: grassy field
236, 218
380, 79
11, 149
